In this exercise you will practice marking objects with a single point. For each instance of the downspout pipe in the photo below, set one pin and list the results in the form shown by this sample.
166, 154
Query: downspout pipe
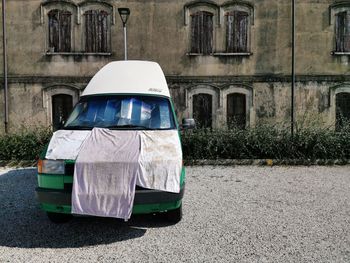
292, 121
4, 46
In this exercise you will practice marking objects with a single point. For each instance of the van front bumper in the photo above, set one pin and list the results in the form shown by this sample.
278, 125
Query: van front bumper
63, 198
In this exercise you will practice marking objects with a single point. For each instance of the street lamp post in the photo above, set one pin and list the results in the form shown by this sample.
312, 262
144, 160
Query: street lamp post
124, 15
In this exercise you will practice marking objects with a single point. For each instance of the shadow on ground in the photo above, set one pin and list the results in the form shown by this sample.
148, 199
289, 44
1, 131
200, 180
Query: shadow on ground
24, 225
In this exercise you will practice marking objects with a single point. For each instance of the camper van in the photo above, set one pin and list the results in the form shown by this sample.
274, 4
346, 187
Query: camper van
124, 98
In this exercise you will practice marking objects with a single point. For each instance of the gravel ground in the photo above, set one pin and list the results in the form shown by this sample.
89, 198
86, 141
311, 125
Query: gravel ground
231, 214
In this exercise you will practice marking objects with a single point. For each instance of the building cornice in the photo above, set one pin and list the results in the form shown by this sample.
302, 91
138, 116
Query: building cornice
187, 79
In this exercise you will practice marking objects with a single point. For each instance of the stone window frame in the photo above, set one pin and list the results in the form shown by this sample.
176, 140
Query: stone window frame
229, 7
248, 91
335, 9
199, 6
49, 91
101, 6
66, 5
77, 35
204, 89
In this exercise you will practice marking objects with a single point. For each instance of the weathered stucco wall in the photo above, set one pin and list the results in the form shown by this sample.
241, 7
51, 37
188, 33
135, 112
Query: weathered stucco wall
156, 31
270, 103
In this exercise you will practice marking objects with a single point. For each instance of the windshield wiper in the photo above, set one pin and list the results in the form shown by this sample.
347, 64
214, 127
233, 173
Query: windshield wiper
77, 127
126, 126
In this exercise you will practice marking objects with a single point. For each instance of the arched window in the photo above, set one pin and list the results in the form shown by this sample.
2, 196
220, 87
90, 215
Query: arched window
237, 31
62, 105
59, 30
236, 110
202, 32
342, 109
97, 31
202, 110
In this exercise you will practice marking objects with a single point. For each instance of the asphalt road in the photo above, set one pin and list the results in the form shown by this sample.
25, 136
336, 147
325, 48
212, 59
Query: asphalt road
231, 214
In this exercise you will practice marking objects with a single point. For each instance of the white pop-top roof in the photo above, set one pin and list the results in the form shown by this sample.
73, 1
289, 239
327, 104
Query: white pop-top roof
131, 76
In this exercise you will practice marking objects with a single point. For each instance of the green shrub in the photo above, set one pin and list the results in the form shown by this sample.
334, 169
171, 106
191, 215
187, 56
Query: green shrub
26, 144
261, 142
267, 142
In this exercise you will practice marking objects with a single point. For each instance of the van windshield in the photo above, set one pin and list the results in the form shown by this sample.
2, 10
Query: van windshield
122, 112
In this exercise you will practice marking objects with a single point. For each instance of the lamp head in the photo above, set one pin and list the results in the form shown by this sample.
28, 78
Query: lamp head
124, 14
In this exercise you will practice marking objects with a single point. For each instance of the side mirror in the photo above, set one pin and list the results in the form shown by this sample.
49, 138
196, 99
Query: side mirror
188, 124
61, 123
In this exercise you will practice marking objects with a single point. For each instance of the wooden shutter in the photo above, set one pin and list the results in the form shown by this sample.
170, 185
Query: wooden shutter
342, 109
340, 31
103, 31
60, 30
195, 33
230, 32
96, 31
65, 32
202, 33
62, 105
347, 32
240, 31
207, 33
236, 110
54, 30
202, 110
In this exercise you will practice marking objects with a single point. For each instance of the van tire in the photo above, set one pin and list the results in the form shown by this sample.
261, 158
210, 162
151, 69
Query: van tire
174, 216
59, 218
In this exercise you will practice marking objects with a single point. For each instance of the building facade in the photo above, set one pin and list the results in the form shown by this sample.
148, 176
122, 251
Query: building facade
226, 62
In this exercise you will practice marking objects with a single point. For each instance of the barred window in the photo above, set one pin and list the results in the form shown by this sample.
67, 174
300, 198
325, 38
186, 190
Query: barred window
236, 110
202, 33
237, 32
59, 31
202, 110
96, 31
342, 34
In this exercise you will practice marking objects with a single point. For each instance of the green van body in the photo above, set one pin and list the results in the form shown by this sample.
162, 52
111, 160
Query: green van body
54, 191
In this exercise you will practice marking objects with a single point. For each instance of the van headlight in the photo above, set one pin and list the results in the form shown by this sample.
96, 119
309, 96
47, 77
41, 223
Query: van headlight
50, 167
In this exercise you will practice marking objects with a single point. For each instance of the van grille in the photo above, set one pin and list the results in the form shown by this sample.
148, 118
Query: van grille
69, 169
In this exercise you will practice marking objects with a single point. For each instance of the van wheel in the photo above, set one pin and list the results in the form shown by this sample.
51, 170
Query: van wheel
174, 216
59, 218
